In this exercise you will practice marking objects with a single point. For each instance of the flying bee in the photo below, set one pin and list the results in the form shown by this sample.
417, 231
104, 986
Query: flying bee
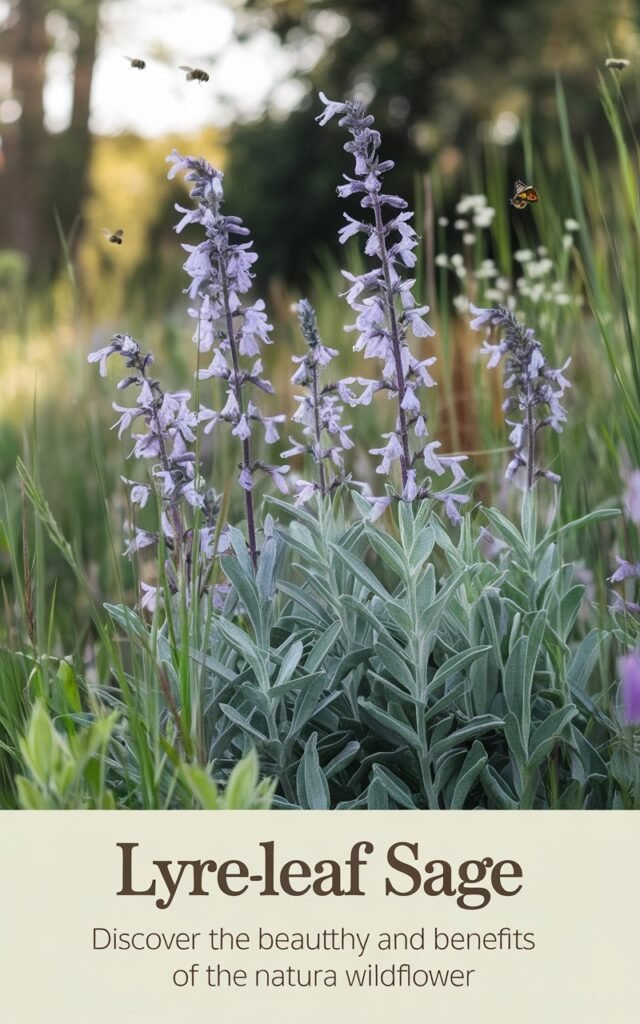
194, 74
136, 62
523, 195
617, 63
113, 236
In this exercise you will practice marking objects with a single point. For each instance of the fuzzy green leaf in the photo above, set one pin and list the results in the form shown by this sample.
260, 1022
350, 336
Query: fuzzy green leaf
473, 764
323, 646
312, 786
396, 667
390, 725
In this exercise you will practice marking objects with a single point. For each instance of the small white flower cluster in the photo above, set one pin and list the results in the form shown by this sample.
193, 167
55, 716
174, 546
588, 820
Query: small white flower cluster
534, 282
570, 228
473, 213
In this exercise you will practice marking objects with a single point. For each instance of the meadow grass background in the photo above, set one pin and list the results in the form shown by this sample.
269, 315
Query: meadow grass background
61, 538
56, 412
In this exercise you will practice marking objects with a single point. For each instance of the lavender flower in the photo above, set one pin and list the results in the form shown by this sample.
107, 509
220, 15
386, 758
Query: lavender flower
626, 570
490, 546
387, 311
630, 680
319, 411
534, 386
166, 427
220, 272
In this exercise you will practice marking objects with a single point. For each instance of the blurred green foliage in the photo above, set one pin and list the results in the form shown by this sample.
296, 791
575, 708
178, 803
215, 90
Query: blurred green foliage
442, 79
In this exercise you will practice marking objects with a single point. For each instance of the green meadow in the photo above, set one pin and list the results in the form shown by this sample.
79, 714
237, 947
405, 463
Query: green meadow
406, 662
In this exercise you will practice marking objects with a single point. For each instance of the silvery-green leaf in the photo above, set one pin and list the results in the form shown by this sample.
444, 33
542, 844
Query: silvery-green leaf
389, 551
342, 759
507, 531
497, 790
239, 545
391, 726
480, 725
312, 786
455, 664
323, 646
394, 786
289, 663
544, 738
243, 722
397, 667
306, 703
266, 568
245, 587
471, 768
377, 796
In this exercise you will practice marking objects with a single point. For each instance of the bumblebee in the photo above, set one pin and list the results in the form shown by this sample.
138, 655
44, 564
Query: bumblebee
617, 63
136, 62
523, 195
194, 74
115, 237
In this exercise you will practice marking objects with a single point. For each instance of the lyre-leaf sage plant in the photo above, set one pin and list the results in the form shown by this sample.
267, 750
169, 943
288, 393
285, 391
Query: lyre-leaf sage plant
387, 313
220, 272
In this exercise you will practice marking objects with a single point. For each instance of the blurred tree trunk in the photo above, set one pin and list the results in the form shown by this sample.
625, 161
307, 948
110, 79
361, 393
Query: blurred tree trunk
43, 174
24, 143
71, 150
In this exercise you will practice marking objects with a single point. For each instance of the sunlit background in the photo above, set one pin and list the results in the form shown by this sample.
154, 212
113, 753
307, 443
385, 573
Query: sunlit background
167, 33
443, 79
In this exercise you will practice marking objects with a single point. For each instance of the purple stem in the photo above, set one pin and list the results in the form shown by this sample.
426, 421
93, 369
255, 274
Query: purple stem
316, 414
237, 387
531, 445
405, 458
174, 508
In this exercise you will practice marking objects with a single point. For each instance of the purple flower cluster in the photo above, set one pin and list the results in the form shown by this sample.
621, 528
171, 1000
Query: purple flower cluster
227, 327
536, 390
319, 411
166, 427
387, 311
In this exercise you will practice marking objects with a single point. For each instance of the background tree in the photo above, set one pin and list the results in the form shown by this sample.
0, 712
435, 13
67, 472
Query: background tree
24, 45
439, 77
42, 172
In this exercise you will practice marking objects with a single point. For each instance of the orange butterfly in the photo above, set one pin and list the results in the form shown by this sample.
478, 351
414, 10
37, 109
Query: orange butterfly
523, 195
